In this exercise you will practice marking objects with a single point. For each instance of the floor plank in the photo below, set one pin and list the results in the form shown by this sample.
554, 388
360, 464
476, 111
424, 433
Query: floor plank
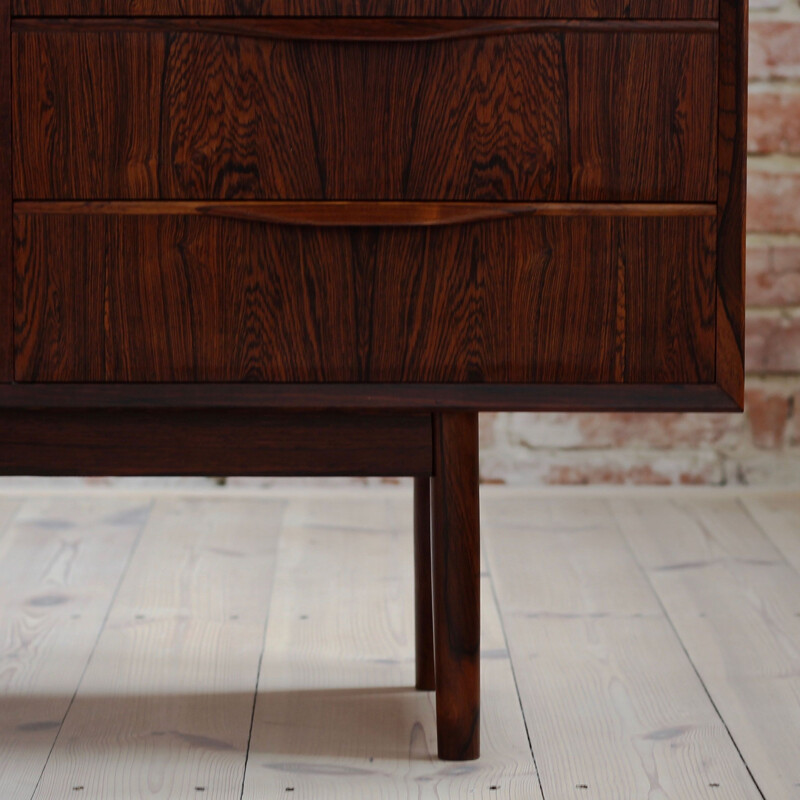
165, 705
159, 627
613, 705
779, 517
735, 603
60, 563
337, 715
8, 508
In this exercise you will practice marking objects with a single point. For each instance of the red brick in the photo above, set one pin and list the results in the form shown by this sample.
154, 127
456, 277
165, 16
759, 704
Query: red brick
773, 202
774, 50
578, 475
773, 275
774, 122
768, 415
772, 344
662, 431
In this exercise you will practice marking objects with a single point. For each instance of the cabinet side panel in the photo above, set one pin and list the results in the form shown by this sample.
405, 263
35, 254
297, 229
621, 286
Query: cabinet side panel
6, 241
731, 197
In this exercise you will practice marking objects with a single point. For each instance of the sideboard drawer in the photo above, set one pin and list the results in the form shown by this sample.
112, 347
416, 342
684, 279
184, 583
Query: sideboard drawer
367, 109
533, 298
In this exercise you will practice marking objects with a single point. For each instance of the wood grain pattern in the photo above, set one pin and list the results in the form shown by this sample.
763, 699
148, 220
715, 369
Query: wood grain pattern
332, 29
455, 537
534, 299
378, 8
349, 213
213, 443
611, 697
172, 679
502, 117
613, 705
6, 192
732, 192
337, 716
778, 515
733, 601
61, 561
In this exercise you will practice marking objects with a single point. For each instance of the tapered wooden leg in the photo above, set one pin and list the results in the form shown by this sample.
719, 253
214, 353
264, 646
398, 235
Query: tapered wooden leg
456, 585
423, 602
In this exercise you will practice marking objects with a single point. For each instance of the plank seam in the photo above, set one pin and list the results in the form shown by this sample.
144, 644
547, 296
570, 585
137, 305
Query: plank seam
501, 617
100, 631
646, 575
263, 647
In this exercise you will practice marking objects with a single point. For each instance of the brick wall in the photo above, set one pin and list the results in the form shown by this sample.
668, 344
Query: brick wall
762, 445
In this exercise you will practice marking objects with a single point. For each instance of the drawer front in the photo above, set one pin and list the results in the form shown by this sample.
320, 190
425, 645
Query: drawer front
675, 9
184, 297
260, 109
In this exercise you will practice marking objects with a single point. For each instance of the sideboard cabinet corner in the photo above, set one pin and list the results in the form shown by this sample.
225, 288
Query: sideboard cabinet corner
319, 237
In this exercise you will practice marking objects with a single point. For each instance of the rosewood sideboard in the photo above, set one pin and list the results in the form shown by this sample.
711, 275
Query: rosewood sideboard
318, 237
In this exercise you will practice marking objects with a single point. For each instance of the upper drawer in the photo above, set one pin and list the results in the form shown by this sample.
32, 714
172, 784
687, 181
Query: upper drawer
609, 9
371, 109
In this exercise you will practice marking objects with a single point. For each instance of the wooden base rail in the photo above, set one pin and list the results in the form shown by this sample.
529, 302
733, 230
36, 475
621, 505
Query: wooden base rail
426, 397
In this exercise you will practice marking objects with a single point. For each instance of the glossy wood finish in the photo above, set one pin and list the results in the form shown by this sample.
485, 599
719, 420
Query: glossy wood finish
6, 181
202, 442
520, 300
732, 191
350, 213
456, 585
518, 116
647, 9
423, 598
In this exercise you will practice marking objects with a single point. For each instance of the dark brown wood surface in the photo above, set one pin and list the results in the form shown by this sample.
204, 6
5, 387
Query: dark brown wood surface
527, 299
456, 584
365, 396
652, 9
423, 597
558, 115
6, 224
365, 29
360, 213
731, 197
202, 442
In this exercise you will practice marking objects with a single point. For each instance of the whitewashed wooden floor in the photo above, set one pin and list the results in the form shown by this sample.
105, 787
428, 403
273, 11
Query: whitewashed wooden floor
636, 646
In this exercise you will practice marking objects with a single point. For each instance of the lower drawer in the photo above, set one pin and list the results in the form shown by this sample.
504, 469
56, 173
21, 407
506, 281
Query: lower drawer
186, 297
